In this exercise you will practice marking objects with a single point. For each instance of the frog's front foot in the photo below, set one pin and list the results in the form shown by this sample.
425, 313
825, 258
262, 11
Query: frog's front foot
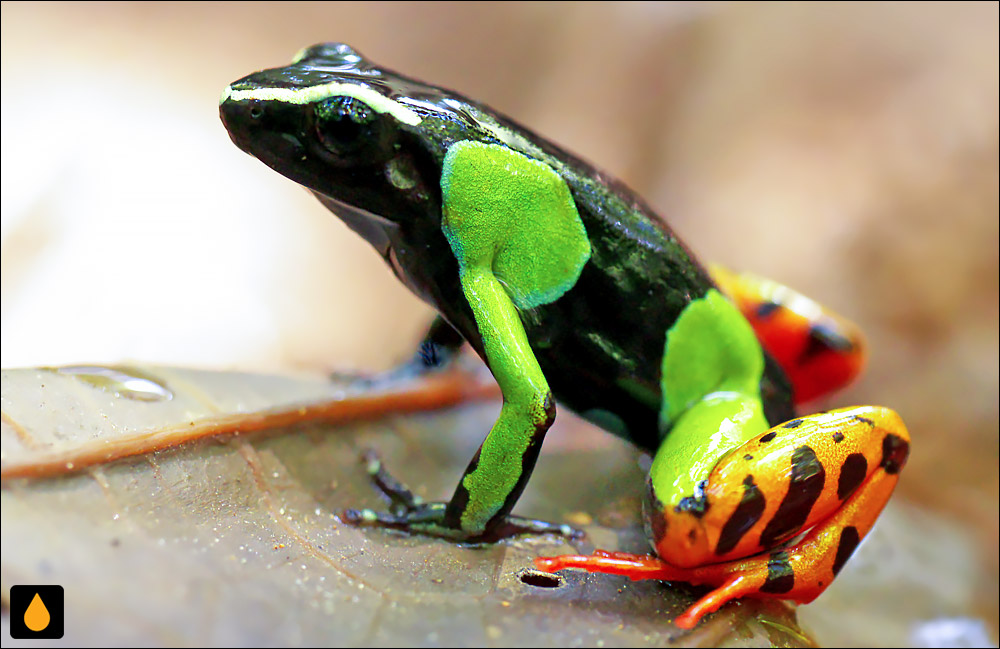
409, 513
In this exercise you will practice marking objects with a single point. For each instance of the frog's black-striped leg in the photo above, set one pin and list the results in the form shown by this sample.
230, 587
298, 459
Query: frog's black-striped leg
479, 510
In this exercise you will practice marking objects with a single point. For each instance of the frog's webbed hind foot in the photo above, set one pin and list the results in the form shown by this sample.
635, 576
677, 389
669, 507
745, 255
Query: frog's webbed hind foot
409, 513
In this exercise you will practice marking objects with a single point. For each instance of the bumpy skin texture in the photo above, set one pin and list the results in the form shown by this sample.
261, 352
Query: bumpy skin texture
570, 288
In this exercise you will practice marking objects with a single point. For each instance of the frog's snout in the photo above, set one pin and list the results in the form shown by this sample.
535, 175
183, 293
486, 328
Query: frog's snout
259, 129
234, 116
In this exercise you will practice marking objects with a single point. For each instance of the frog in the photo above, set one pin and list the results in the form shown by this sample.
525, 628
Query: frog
572, 290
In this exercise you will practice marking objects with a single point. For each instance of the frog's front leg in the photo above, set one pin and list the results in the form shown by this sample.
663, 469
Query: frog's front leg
519, 243
828, 475
498, 472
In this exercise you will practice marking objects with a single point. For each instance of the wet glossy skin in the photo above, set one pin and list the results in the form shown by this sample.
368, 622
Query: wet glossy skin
571, 289
635, 254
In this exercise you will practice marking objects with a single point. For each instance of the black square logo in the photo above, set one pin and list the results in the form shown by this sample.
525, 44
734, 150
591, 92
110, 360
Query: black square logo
36, 612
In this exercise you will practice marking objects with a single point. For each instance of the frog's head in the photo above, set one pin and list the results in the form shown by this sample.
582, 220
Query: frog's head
348, 131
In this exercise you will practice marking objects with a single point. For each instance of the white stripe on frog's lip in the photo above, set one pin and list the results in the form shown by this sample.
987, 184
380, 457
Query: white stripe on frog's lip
378, 102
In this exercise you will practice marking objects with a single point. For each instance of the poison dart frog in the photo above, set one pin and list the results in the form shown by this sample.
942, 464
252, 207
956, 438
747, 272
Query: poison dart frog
573, 290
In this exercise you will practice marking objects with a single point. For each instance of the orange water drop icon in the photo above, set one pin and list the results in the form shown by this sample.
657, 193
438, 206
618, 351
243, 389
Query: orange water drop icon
37, 616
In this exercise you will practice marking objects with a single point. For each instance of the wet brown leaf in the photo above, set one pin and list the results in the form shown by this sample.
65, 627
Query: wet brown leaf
235, 539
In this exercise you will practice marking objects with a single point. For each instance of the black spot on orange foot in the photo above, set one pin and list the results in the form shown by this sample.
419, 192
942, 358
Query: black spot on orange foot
795, 423
823, 338
804, 489
767, 438
863, 420
849, 540
838, 437
743, 518
851, 474
765, 309
780, 575
895, 450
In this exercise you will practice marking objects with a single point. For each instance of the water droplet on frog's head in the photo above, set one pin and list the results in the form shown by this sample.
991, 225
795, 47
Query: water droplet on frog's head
127, 382
336, 55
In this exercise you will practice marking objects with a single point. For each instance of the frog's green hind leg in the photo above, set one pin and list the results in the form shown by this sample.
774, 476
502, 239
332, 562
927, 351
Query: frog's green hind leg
498, 472
520, 243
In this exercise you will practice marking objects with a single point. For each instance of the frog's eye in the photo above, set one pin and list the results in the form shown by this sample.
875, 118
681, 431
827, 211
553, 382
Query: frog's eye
347, 126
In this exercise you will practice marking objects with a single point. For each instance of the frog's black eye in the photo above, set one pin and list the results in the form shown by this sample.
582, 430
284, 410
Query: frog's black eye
348, 127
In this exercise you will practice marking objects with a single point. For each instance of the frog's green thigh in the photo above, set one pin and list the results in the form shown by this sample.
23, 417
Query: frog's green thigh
711, 371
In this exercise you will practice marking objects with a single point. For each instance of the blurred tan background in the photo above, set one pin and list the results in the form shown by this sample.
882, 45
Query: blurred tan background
850, 151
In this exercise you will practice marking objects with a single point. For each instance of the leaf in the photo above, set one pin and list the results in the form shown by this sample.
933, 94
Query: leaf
235, 538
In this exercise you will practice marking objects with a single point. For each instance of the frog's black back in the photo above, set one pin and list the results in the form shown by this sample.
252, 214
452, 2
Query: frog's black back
600, 345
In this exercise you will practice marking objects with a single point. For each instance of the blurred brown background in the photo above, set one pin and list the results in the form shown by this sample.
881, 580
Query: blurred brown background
850, 151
